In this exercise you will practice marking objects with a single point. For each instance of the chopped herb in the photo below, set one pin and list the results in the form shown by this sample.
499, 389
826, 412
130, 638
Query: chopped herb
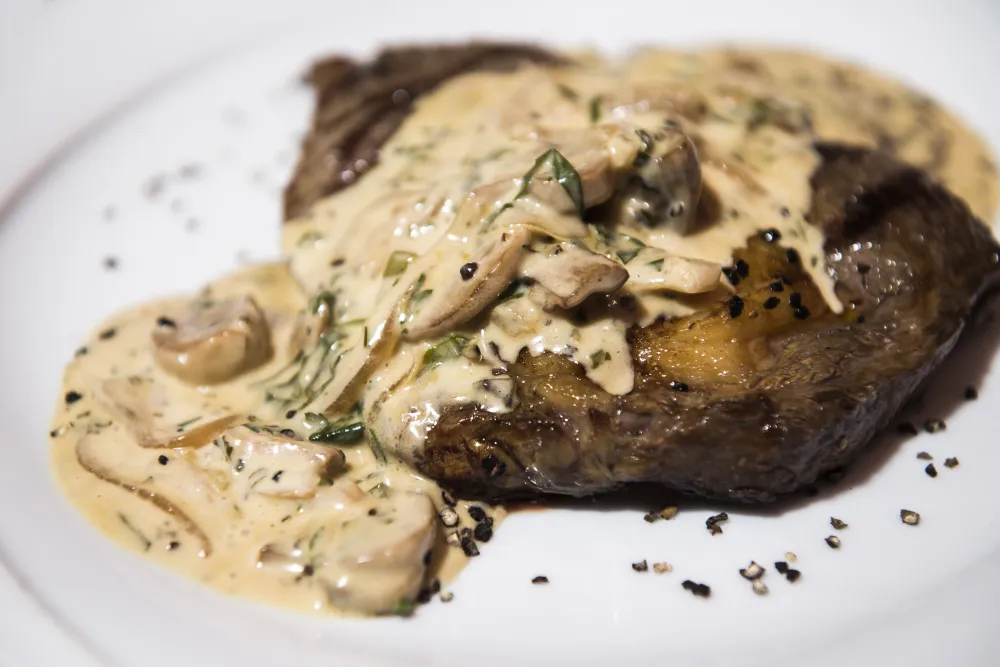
906, 428
468, 270
735, 306
340, 434
135, 531
567, 92
656, 264
627, 256
909, 517
451, 347
712, 523
662, 568
641, 566
833, 541
837, 523
72, 397
376, 446
541, 579
277, 476
187, 422
934, 425
162, 458
971, 393
752, 571
404, 607
564, 173
595, 108
950, 462
599, 357
699, 590
931, 470
398, 261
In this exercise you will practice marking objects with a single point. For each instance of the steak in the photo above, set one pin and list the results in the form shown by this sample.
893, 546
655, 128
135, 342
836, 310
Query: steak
753, 399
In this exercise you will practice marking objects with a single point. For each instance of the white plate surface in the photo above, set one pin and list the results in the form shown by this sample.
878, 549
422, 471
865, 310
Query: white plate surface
892, 594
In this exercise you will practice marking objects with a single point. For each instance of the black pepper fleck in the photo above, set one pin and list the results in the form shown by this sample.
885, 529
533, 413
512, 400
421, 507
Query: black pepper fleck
770, 235
699, 590
971, 393
735, 307
793, 575
290, 414
833, 541
712, 523
165, 322
72, 397
541, 579
801, 313
793, 256
837, 523
107, 334
447, 499
742, 268
777, 286
173, 546
110, 263
909, 517
950, 462
337, 262
784, 212
477, 513
772, 303
308, 570
931, 470
795, 300
641, 566
276, 476
934, 425
468, 270
679, 386
906, 428
163, 459
781, 566
483, 532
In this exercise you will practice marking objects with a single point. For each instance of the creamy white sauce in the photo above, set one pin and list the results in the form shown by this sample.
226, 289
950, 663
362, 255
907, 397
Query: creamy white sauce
375, 325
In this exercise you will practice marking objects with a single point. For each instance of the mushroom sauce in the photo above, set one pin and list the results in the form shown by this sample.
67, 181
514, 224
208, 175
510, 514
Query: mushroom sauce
262, 437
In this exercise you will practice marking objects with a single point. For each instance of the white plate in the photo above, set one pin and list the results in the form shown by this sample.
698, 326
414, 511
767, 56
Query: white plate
893, 594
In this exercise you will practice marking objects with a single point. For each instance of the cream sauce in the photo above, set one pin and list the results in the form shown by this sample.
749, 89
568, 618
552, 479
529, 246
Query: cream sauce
411, 291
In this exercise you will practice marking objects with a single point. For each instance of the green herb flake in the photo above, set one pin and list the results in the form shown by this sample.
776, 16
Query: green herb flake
404, 607
627, 256
656, 264
564, 173
567, 92
398, 261
451, 347
376, 446
598, 358
595, 108
188, 422
340, 434
146, 543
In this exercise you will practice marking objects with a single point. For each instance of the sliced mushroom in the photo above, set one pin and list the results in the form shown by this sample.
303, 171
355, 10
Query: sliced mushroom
249, 458
215, 343
671, 96
460, 298
144, 477
653, 269
369, 559
587, 151
377, 561
666, 185
157, 416
571, 273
